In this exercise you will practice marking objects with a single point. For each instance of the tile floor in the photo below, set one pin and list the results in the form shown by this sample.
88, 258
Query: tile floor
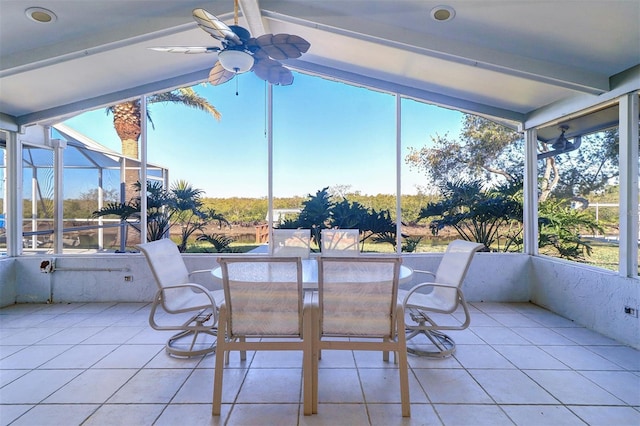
101, 364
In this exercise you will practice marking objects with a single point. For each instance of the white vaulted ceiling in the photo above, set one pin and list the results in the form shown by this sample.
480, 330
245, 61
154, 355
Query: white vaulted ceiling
507, 59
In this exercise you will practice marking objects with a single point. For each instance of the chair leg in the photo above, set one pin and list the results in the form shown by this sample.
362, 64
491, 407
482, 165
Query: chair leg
172, 346
219, 367
315, 358
444, 344
307, 364
403, 364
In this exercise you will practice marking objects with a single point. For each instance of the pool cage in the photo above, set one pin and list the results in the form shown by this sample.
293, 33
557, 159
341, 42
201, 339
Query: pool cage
64, 180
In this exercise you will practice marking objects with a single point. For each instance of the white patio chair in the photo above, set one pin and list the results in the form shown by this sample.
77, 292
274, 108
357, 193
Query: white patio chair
340, 242
357, 300
263, 302
424, 301
178, 296
290, 243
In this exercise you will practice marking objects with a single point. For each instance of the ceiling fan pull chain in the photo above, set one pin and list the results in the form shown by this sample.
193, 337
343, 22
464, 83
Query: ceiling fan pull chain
237, 78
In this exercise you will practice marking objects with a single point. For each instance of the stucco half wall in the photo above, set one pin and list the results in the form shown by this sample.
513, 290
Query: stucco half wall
592, 297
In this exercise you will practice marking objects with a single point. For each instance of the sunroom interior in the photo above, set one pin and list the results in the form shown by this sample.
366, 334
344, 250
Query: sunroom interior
532, 66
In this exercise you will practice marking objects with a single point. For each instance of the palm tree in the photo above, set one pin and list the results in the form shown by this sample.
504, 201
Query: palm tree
127, 123
127, 119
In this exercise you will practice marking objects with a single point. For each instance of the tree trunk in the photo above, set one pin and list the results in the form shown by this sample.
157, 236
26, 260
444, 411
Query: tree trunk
127, 123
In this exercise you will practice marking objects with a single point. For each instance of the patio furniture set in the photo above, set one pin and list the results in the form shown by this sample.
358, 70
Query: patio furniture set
340, 300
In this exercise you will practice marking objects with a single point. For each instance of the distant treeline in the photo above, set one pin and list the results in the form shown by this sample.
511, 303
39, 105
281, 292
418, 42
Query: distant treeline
240, 210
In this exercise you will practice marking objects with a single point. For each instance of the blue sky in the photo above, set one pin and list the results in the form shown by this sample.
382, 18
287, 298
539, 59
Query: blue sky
325, 133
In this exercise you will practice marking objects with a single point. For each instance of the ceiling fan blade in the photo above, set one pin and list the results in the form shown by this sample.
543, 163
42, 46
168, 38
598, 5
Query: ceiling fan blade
282, 46
219, 75
218, 29
273, 72
185, 49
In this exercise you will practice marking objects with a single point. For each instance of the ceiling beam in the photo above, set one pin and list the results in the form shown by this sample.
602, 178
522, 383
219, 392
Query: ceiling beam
625, 82
410, 92
62, 112
553, 73
251, 12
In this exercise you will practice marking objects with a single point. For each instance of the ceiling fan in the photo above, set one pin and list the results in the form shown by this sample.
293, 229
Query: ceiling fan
241, 53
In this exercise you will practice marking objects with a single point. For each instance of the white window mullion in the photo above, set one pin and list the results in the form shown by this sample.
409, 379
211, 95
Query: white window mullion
628, 135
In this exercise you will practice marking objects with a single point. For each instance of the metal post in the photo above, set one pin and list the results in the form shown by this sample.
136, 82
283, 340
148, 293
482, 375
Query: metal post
628, 133
58, 194
398, 174
530, 213
270, 160
100, 205
13, 220
143, 169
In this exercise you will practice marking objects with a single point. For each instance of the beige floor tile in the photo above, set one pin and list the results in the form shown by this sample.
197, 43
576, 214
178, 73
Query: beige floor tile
116, 335
165, 385
339, 385
621, 416
511, 387
383, 386
451, 386
72, 361
265, 385
338, 415
472, 415
529, 357
71, 336
542, 415
583, 336
29, 336
391, 414
515, 319
264, 414
277, 359
499, 336
624, 356
32, 356
480, 356
8, 376
569, 387
625, 385
579, 358
543, 336
191, 414
35, 386
12, 412
56, 415
91, 387
130, 356
125, 414
81, 356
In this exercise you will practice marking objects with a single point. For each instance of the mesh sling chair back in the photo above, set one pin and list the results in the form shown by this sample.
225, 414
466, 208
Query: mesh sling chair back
263, 302
357, 300
290, 243
340, 242
442, 295
192, 306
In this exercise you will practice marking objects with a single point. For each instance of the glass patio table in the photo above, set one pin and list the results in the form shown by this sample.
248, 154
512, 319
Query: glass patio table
310, 274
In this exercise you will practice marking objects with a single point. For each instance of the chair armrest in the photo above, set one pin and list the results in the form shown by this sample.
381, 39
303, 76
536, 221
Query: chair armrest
423, 285
200, 271
419, 271
197, 288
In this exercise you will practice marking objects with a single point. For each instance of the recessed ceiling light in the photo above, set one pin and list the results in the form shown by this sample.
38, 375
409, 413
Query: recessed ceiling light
41, 15
443, 13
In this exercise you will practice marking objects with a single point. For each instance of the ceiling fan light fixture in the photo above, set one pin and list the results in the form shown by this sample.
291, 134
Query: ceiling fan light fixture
561, 141
443, 13
236, 61
40, 15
